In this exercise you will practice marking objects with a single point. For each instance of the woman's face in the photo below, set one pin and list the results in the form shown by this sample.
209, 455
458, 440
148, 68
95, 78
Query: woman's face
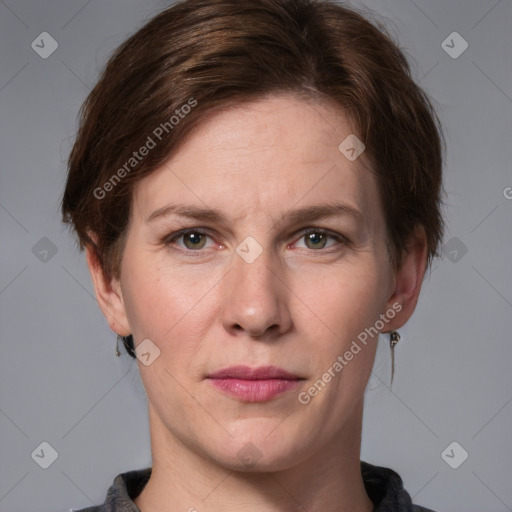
284, 265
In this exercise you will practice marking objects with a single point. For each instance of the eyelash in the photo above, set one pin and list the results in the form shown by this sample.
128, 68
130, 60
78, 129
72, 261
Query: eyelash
341, 240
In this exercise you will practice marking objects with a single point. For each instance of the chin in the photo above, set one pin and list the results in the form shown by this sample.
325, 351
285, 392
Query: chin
254, 450
251, 459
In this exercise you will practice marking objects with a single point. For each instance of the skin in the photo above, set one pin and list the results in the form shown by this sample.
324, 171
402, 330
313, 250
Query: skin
298, 305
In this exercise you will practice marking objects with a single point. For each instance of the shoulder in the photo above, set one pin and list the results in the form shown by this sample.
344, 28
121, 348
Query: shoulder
126, 487
385, 488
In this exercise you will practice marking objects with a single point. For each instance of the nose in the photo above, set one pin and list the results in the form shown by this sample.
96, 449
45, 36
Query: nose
256, 298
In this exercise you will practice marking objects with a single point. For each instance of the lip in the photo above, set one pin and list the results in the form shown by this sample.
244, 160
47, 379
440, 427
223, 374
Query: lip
253, 384
248, 373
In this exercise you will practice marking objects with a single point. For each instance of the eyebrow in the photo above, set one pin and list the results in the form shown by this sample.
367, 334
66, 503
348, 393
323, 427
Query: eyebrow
305, 214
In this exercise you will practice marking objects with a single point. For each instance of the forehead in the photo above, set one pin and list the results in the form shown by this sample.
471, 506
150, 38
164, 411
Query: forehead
266, 155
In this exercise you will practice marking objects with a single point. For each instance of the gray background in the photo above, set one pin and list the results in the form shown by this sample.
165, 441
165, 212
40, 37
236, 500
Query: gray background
59, 378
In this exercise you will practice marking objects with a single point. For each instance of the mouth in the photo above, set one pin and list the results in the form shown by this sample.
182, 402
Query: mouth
254, 384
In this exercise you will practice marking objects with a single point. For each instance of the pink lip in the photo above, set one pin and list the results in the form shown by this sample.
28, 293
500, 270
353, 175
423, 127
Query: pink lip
254, 384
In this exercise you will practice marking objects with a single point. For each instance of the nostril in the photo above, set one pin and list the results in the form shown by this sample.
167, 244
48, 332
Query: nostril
272, 328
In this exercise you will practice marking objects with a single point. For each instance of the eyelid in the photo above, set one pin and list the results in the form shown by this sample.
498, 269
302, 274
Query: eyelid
178, 234
324, 231
169, 242
338, 237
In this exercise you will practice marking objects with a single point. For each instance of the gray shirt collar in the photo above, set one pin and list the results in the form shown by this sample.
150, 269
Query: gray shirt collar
383, 485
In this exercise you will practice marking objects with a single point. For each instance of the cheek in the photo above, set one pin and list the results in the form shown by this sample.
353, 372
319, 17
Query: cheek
344, 300
169, 305
340, 317
346, 308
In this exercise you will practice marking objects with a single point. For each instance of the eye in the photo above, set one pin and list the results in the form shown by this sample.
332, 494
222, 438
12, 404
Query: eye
317, 238
196, 239
193, 239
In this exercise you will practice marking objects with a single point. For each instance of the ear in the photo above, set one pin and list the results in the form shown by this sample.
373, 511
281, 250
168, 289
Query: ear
408, 280
108, 294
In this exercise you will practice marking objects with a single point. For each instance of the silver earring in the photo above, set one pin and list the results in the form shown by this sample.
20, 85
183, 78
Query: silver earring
117, 345
394, 338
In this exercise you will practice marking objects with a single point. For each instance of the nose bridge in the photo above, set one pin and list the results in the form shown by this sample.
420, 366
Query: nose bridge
257, 299
254, 271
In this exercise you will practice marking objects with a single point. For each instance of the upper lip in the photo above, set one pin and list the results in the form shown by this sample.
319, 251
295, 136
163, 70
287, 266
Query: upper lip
248, 373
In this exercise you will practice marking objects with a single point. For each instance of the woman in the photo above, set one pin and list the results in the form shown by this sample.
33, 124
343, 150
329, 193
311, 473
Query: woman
257, 187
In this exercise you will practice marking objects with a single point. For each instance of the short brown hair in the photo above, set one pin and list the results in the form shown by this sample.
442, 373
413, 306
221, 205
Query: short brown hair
210, 54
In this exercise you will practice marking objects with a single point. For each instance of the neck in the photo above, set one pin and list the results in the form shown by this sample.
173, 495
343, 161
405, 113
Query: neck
329, 480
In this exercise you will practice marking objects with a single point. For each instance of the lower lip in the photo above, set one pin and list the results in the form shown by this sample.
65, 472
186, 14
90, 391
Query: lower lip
254, 390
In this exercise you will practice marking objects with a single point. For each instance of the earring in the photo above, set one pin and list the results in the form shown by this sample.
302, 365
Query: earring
117, 345
394, 338
128, 345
